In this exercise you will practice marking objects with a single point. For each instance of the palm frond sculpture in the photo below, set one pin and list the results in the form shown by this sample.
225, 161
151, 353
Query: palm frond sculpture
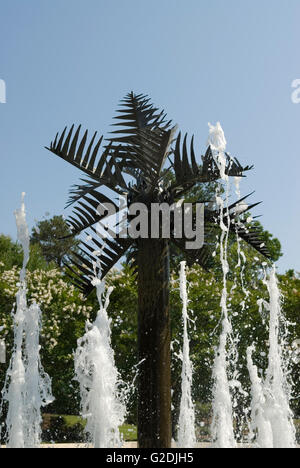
135, 162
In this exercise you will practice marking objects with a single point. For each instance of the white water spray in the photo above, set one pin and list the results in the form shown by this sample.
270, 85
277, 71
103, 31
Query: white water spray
186, 431
27, 387
272, 418
101, 402
238, 395
37, 383
222, 422
260, 426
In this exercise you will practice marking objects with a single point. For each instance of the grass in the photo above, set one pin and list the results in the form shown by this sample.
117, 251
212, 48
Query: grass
73, 420
128, 431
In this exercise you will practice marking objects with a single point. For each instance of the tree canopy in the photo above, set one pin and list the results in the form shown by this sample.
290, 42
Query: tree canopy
53, 238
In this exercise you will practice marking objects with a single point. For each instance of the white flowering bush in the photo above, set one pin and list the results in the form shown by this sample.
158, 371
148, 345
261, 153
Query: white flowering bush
65, 311
60, 302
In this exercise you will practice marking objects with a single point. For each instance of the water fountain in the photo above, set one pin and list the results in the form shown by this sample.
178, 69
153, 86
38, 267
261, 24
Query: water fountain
38, 392
271, 424
271, 417
27, 387
186, 423
102, 402
222, 422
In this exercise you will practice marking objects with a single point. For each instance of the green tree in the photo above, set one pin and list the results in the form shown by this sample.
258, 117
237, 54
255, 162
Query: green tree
53, 238
289, 284
11, 255
10, 252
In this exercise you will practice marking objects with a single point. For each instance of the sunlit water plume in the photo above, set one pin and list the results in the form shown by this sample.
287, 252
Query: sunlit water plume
186, 423
271, 416
102, 400
27, 387
239, 396
222, 422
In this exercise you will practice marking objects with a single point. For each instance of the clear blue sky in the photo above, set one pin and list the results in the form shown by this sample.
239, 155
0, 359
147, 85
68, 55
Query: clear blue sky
231, 61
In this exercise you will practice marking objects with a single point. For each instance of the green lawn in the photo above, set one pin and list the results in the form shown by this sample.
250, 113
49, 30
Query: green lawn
128, 431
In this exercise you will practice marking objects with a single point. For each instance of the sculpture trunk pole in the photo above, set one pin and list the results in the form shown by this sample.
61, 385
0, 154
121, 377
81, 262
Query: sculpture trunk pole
154, 339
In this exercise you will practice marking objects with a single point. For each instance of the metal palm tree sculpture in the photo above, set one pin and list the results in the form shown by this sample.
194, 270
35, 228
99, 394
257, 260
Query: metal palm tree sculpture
145, 161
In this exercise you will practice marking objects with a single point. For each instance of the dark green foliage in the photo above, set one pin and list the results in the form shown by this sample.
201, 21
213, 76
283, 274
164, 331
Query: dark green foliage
10, 252
53, 238
57, 429
11, 255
